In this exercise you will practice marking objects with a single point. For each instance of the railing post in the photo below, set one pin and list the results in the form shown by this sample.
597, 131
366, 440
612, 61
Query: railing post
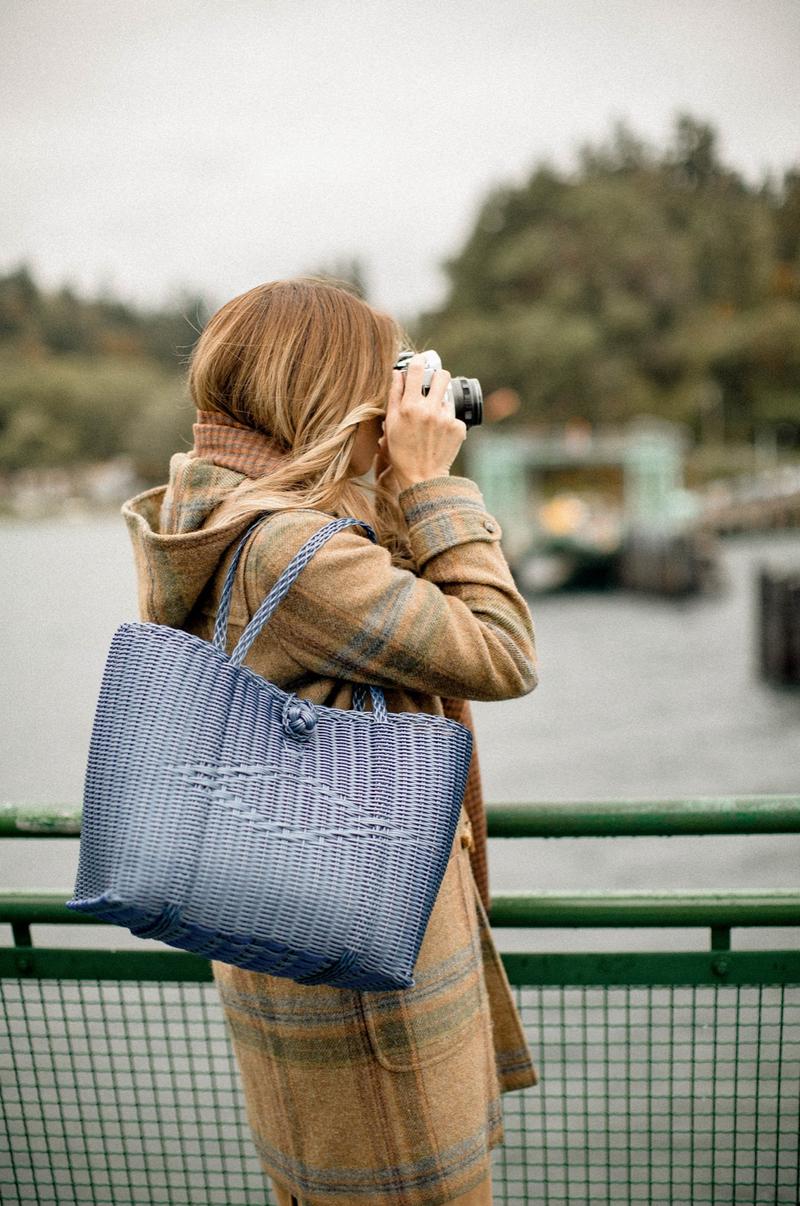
22, 933
720, 937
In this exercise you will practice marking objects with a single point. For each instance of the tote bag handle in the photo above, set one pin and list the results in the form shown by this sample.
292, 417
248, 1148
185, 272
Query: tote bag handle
276, 596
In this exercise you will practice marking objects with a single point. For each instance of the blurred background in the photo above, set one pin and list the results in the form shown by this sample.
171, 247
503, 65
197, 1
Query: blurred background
593, 207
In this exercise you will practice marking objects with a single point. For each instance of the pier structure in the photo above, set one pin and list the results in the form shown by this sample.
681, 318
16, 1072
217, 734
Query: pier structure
659, 545
759, 503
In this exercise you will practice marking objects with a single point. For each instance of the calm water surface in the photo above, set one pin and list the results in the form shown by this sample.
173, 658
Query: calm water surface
638, 698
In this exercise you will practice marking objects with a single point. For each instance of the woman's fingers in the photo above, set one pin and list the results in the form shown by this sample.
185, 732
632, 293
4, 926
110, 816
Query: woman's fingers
415, 381
396, 390
438, 402
414, 378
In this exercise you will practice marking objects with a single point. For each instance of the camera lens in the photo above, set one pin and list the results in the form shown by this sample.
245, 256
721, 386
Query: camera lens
466, 391
468, 399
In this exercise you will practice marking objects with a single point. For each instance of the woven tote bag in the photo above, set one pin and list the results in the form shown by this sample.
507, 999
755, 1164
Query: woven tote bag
227, 817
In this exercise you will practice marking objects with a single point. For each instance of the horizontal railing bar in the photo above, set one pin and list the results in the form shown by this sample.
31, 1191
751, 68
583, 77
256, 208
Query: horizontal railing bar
40, 820
532, 910
648, 969
574, 818
632, 969
646, 818
49, 963
616, 909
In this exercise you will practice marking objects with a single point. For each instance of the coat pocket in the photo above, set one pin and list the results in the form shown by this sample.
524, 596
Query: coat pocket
419, 1026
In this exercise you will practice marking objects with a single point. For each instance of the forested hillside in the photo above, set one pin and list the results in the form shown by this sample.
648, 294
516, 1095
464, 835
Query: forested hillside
645, 282
84, 381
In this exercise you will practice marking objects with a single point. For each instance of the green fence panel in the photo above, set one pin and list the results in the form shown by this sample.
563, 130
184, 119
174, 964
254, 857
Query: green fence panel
666, 1077
656, 1095
127, 1092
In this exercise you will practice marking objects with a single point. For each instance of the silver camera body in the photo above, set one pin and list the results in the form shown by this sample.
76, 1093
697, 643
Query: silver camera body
464, 392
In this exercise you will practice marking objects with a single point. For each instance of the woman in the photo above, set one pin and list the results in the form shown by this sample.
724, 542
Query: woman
352, 1097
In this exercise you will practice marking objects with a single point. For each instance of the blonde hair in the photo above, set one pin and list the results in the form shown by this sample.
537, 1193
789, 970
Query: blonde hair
304, 361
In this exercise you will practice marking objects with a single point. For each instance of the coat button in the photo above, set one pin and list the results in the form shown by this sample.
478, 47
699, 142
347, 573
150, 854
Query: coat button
467, 841
490, 527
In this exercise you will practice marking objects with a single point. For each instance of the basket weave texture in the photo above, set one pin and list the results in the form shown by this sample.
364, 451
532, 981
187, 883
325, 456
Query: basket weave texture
227, 817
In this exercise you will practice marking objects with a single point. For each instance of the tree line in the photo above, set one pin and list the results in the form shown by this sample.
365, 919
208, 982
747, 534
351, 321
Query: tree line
85, 380
645, 281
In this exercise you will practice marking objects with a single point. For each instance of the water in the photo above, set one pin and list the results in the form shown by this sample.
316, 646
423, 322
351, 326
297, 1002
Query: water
638, 698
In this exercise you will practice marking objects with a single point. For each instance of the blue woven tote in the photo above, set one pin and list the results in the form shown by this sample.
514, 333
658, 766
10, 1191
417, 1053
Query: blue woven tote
227, 817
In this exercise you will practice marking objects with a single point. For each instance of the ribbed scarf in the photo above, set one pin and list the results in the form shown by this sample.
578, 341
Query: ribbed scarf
231, 445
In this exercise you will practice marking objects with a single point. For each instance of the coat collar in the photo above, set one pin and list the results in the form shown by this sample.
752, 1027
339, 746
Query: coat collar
177, 551
231, 445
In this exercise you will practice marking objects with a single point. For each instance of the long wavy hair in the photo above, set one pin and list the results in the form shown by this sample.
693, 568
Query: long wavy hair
304, 361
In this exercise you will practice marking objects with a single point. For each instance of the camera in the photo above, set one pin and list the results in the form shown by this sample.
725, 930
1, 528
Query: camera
465, 392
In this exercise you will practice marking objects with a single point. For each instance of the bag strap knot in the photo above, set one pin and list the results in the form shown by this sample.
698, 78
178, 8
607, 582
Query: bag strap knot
299, 717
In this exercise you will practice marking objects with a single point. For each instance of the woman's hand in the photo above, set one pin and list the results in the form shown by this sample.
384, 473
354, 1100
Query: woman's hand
421, 434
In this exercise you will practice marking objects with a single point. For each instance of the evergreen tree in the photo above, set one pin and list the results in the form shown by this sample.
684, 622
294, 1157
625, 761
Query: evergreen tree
644, 282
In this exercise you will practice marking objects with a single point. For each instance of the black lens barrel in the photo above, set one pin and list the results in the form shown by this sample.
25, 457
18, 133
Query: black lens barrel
468, 399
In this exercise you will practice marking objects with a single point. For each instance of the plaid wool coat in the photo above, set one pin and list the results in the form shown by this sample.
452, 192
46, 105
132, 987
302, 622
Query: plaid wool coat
392, 1098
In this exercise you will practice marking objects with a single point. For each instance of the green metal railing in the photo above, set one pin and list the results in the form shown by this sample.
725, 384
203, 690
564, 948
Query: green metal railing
667, 1077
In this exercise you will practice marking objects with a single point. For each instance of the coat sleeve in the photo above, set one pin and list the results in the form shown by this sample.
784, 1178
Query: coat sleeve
458, 629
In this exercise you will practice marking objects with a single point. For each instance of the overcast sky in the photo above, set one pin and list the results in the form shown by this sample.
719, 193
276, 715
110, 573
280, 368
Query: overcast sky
153, 145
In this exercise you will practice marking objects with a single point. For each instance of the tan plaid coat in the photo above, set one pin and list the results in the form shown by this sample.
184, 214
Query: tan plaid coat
387, 1099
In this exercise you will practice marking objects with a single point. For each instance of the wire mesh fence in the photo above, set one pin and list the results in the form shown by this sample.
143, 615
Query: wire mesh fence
122, 1093
657, 1095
